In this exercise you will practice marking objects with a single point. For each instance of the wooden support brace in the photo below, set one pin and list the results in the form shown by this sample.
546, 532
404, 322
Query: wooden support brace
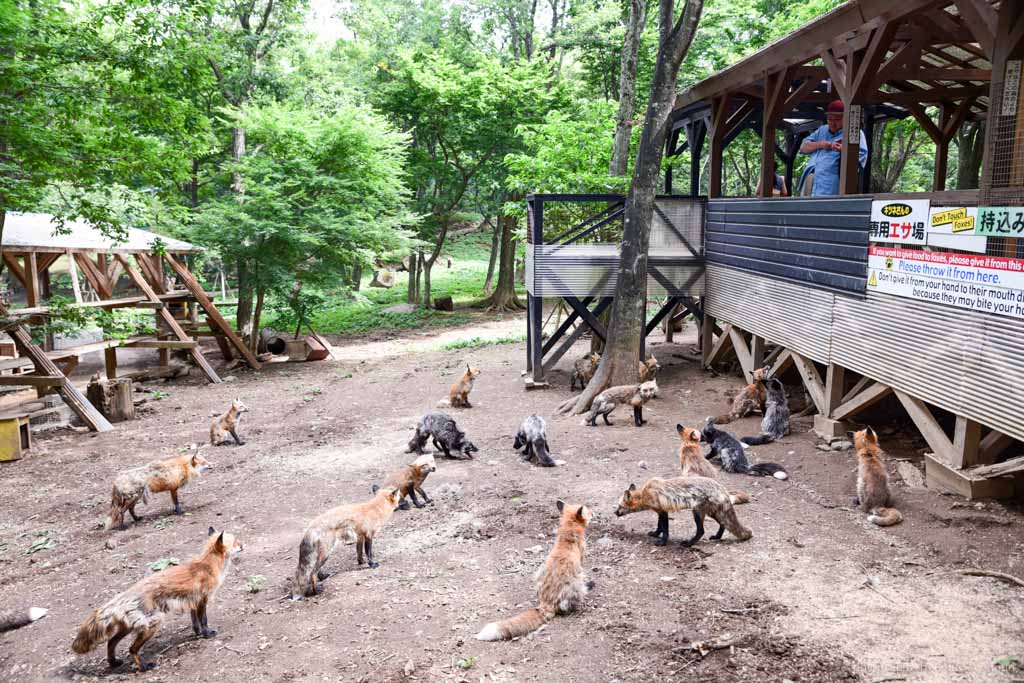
781, 362
862, 400
707, 336
212, 314
721, 345
31, 279
757, 345
12, 264
589, 318
97, 280
197, 353
739, 345
861, 384
966, 442
993, 445
929, 428
812, 380
110, 362
32, 380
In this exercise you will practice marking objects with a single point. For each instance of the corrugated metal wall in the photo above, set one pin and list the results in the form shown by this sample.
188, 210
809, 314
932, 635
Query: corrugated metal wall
963, 361
819, 242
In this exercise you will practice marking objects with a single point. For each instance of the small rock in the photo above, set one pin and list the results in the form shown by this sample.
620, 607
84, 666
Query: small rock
110, 544
841, 446
823, 447
910, 475
559, 463
605, 542
535, 549
230, 378
642, 464
410, 668
790, 452
666, 579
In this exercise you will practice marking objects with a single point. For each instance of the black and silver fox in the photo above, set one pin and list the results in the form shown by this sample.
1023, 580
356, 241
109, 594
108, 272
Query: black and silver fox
446, 435
16, 618
775, 423
729, 451
533, 438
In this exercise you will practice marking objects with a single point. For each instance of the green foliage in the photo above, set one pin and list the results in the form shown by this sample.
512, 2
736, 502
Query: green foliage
477, 342
163, 563
255, 583
41, 540
65, 318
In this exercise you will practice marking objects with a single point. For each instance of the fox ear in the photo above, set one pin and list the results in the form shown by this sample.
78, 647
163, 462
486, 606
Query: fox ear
220, 540
374, 489
210, 532
560, 504
632, 487
680, 428
580, 515
873, 435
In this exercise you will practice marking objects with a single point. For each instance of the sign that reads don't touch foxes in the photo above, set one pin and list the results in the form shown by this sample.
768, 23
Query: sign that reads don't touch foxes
991, 284
903, 221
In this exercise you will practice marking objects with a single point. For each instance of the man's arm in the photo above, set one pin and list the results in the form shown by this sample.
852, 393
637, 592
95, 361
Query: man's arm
813, 143
863, 153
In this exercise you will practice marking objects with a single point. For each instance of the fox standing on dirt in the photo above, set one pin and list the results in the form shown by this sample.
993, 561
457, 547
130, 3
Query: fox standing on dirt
729, 452
873, 494
705, 497
16, 618
635, 395
446, 435
583, 370
142, 608
561, 583
775, 423
532, 437
408, 481
134, 486
359, 522
227, 424
749, 401
458, 395
649, 368
694, 464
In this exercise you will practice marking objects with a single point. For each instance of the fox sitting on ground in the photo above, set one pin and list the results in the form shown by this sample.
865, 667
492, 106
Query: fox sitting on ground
446, 435
705, 497
408, 481
583, 370
16, 618
142, 608
749, 401
533, 438
873, 494
227, 424
649, 368
694, 464
134, 486
775, 423
458, 395
359, 522
635, 395
729, 452
561, 583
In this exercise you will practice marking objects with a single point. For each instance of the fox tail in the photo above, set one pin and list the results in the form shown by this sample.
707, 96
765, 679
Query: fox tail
757, 440
739, 497
768, 469
17, 618
885, 516
519, 625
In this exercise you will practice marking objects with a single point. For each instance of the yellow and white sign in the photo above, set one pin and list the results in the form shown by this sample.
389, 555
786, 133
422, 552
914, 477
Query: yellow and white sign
953, 227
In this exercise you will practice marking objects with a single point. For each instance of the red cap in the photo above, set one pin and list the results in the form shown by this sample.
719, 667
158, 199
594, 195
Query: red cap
835, 107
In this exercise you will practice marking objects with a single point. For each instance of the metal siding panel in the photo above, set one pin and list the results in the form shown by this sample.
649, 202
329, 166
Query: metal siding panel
793, 315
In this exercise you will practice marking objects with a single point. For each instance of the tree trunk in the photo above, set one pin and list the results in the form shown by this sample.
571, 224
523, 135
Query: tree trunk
427, 266
413, 294
243, 321
237, 152
970, 143
254, 337
428, 263
627, 87
357, 276
625, 334
194, 189
495, 245
504, 297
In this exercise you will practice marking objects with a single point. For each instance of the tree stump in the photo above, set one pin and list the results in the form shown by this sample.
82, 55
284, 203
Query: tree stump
383, 278
112, 397
444, 303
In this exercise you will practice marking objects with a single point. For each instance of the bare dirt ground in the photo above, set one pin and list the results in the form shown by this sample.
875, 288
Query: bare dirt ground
817, 595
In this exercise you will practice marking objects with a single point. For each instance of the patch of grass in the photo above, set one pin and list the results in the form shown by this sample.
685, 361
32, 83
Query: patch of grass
477, 342
255, 583
163, 523
163, 563
43, 541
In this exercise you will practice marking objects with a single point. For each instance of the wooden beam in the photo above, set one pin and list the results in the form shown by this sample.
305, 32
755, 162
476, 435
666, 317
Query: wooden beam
44, 261
212, 314
739, 345
197, 353
163, 344
757, 346
878, 47
927, 96
32, 380
812, 380
97, 280
861, 384
865, 399
1011, 466
966, 442
776, 87
929, 428
31, 279
981, 20
76, 287
707, 336
964, 482
836, 72
12, 264
835, 380
924, 121
941, 74
723, 344
993, 445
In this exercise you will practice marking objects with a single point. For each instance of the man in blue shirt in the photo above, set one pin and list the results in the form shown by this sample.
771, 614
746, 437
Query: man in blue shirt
825, 145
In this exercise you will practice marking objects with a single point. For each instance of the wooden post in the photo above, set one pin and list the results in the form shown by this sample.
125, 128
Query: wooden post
76, 287
757, 345
719, 112
31, 279
966, 443
113, 397
941, 151
110, 362
696, 132
776, 86
834, 380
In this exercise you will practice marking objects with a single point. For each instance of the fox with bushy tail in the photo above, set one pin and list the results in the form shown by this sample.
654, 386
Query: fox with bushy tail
16, 618
561, 583
873, 494
729, 451
775, 423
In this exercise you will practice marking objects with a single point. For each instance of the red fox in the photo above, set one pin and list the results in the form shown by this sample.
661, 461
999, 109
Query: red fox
873, 495
649, 368
694, 464
359, 521
583, 370
748, 401
706, 497
16, 618
636, 395
561, 583
134, 486
458, 395
142, 608
408, 481
227, 424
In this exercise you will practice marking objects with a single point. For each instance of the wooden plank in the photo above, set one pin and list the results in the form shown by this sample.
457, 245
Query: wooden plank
835, 380
722, 344
941, 477
212, 314
163, 344
966, 442
993, 445
981, 20
812, 380
45, 366
76, 287
96, 279
739, 345
197, 353
31, 279
929, 428
864, 399
877, 48
1011, 466
110, 362
861, 384
125, 302
32, 380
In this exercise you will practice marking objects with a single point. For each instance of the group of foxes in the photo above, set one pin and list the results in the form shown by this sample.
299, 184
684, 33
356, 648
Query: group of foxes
561, 581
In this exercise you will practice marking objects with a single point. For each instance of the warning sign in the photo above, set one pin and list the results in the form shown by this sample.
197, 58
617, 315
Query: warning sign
903, 221
954, 228
990, 284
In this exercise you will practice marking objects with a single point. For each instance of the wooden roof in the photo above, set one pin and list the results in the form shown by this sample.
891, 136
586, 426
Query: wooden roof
920, 52
38, 232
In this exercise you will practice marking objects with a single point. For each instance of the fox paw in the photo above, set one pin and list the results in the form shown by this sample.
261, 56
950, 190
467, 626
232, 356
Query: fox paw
661, 541
590, 585
654, 534
208, 632
373, 565
114, 663
147, 666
